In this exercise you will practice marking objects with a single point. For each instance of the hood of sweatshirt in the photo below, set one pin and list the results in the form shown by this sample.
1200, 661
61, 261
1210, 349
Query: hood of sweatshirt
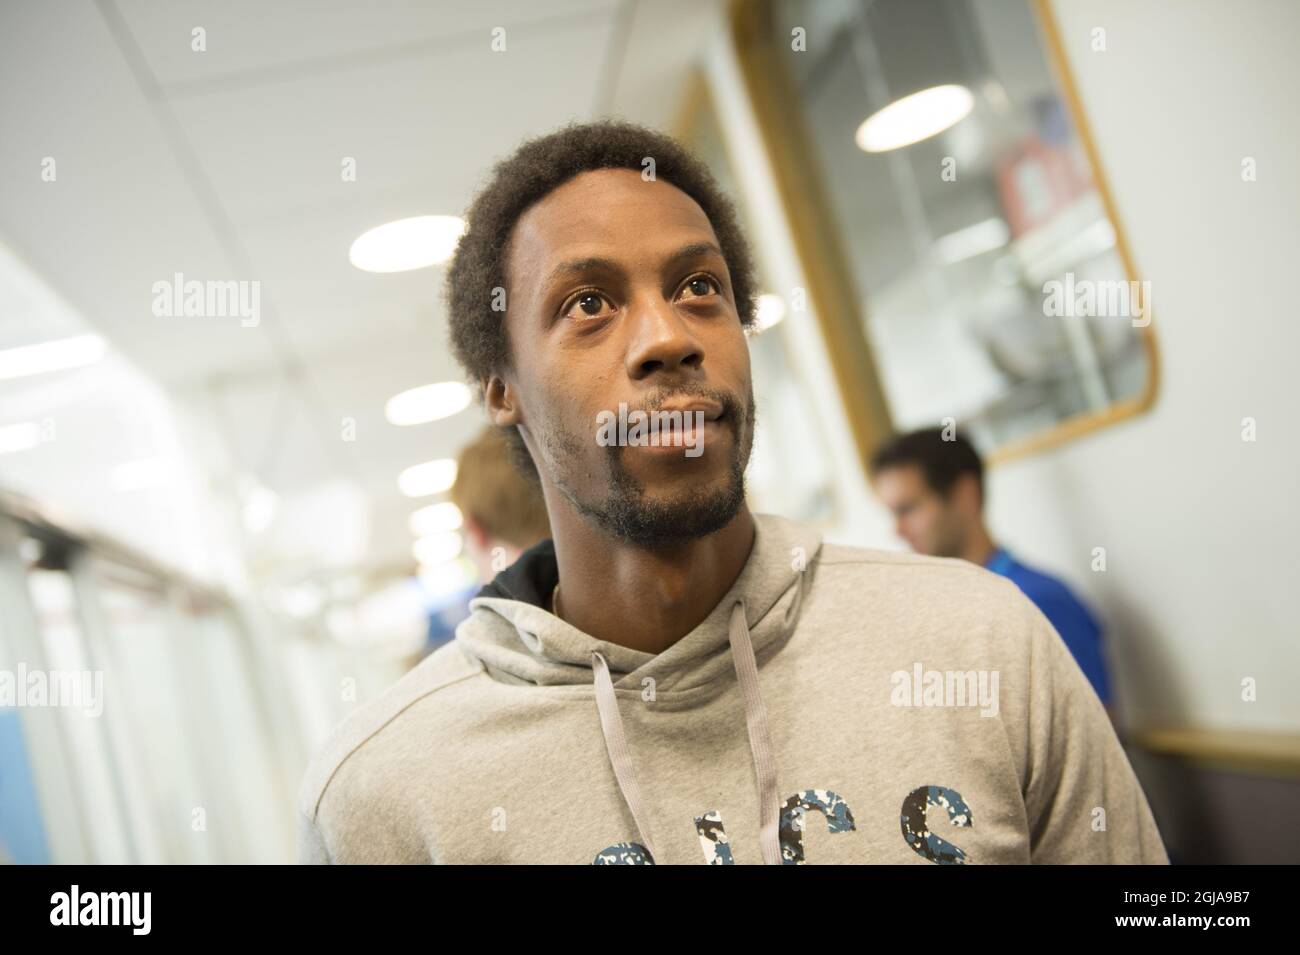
514, 636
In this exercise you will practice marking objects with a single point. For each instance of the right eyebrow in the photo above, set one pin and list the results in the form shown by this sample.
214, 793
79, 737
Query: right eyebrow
590, 264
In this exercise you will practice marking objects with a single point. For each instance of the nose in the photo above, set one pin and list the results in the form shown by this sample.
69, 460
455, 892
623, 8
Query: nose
661, 340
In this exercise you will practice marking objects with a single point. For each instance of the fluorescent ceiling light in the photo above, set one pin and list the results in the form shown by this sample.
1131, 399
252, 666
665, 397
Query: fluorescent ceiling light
436, 519
428, 403
914, 118
973, 240
406, 244
51, 356
431, 477
437, 548
19, 437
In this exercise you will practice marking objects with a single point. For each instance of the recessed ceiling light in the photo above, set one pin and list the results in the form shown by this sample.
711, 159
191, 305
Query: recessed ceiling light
914, 118
440, 581
437, 548
51, 356
428, 403
406, 244
436, 519
431, 477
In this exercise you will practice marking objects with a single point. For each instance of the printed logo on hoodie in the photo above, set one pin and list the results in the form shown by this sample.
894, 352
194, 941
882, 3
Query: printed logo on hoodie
914, 820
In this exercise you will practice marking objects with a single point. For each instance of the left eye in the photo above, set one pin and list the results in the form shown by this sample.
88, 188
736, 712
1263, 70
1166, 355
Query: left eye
700, 285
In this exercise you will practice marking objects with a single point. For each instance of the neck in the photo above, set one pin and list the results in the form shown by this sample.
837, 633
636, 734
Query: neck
642, 599
979, 546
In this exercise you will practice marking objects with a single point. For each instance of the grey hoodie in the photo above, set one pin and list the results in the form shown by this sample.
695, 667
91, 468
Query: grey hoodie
838, 705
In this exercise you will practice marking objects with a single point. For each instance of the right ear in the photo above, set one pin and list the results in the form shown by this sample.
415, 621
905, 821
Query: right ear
966, 491
501, 402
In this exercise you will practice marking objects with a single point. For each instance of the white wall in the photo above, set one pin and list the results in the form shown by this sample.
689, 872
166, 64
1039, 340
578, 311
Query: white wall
1200, 527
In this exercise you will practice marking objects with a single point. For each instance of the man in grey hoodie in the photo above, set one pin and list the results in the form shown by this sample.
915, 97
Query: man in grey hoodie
671, 678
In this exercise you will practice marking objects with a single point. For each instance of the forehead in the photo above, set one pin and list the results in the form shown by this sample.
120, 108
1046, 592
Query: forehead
610, 212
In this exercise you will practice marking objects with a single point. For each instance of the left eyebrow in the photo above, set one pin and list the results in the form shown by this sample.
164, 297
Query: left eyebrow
694, 251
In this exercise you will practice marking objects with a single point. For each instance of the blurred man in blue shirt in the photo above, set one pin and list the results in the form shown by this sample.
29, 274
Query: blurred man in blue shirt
933, 483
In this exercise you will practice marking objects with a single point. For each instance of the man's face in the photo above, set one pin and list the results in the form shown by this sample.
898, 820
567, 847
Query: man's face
619, 294
930, 523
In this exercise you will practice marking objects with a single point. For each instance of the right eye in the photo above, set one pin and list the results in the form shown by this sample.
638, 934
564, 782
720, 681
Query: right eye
585, 306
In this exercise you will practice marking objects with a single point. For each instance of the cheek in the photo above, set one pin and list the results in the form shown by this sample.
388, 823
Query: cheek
923, 524
568, 400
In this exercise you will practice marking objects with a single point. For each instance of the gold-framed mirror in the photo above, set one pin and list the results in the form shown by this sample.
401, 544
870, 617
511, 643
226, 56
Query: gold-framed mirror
963, 248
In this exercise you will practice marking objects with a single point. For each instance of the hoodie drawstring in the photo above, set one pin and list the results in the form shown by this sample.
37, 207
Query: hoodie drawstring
611, 725
760, 740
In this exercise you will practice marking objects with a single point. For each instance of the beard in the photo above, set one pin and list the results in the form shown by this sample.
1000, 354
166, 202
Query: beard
630, 514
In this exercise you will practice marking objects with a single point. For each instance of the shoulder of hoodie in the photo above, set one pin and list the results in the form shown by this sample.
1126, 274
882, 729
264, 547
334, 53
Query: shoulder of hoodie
940, 582
941, 570
445, 667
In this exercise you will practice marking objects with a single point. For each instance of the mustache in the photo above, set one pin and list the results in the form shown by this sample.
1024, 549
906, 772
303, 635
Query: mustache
733, 408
